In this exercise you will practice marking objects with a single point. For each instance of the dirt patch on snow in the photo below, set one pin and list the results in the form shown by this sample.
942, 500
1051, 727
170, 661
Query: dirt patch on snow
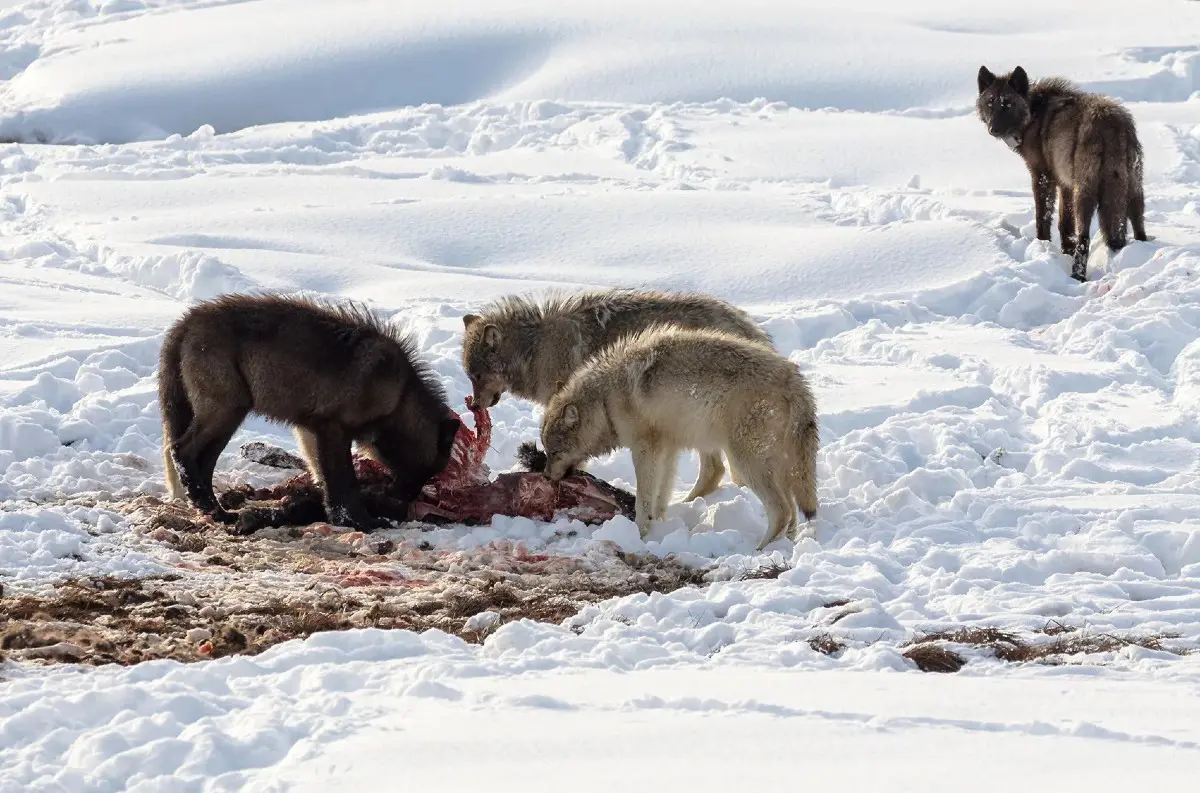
234, 595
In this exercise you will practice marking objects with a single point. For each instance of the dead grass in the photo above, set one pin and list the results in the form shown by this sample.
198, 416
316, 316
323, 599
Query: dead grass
1078, 643
935, 658
1056, 628
1001, 643
1068, 641
826, 644
768, 571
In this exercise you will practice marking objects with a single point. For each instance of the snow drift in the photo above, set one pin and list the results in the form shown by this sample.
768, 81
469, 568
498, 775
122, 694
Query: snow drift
122, 77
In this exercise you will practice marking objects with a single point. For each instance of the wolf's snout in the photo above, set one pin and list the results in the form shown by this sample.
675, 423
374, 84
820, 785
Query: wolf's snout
556, 469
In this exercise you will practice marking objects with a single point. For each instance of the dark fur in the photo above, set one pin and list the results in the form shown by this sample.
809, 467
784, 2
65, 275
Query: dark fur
1084, 146
336, 371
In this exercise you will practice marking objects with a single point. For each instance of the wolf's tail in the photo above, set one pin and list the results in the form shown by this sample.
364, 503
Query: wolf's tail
177, 413
805, 443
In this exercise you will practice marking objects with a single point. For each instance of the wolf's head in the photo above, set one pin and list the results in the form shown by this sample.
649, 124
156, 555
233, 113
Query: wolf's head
1003, 104
574, 429
484, 360
416, 451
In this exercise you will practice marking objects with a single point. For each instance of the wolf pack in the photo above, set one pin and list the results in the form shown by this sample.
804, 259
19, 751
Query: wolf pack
653, 372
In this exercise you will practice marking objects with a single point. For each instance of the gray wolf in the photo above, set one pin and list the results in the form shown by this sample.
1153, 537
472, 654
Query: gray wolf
669, 388
1083, 145
336, 373
530, 347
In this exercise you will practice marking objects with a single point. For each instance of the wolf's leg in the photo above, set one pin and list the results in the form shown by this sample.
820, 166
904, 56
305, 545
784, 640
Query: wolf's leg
1137, 213
222, 433
786, 522
343, 504
1043, 203
1085, 208
1066, 221
763, 478
306, 444
735, 477
669, 462
197, 453
1114, 211
803, 475
646, 469
175, 488
712, 469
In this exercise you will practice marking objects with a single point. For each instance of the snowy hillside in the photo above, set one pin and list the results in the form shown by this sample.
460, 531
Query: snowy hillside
1002, 447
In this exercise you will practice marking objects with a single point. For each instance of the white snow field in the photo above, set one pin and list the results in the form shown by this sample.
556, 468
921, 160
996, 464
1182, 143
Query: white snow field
1001, 446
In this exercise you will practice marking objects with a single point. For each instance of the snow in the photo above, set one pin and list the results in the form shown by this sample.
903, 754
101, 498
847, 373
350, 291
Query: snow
1000, 445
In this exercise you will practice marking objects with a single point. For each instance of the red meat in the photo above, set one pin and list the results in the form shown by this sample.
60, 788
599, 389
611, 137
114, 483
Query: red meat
463, 493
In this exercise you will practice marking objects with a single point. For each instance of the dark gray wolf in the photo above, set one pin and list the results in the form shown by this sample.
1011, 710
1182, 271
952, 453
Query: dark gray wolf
336, 373
530, 347
1084, 145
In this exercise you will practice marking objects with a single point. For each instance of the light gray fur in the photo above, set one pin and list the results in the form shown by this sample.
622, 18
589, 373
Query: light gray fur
668, 388
531, 346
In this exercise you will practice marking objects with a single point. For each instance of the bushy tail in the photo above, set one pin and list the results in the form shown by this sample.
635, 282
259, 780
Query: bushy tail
176, 408
806, 442
1119, 185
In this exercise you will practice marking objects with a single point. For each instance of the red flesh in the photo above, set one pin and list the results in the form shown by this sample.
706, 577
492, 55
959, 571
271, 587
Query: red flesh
465, 492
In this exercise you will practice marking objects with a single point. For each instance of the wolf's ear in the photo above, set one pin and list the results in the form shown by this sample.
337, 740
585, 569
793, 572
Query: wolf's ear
491, 336
447, 431
570, 416
1019, 81
470, 319
986, 78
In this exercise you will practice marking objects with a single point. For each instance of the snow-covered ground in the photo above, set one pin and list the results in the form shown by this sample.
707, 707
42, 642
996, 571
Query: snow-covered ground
1001, 446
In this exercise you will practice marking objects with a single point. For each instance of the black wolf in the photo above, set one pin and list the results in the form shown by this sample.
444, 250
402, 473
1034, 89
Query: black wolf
1085, 145
336, 373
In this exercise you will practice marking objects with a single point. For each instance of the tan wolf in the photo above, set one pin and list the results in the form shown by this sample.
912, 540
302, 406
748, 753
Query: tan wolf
529, 347
669, 388
336, 373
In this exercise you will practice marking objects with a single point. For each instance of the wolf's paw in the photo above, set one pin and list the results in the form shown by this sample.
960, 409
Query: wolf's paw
250, 520
357, 519
222, 515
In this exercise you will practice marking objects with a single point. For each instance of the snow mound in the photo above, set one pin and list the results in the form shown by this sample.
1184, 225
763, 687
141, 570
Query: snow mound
324, 60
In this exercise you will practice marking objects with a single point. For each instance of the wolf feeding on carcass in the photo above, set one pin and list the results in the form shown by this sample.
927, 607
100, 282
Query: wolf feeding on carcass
463, 493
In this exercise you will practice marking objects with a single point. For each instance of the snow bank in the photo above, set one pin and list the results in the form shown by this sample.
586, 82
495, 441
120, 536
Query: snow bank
138, 76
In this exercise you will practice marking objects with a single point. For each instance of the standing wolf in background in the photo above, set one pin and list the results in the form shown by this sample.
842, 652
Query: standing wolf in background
1085, 145
334, 372
518, 344
669, 388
